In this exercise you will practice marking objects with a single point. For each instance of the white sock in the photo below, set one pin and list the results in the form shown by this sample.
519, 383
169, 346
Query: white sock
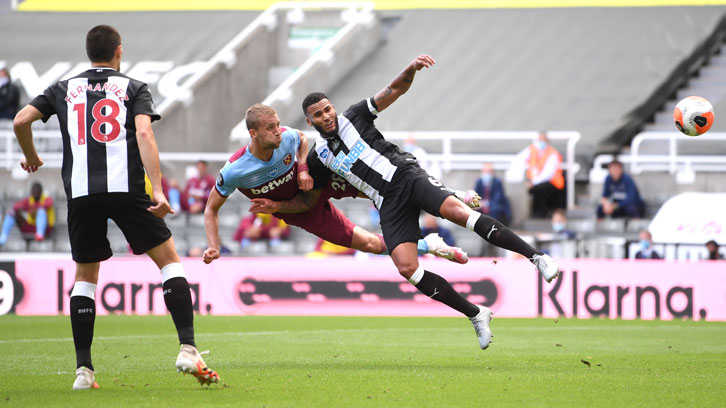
86, 289
416, 277
173, 270
471, 221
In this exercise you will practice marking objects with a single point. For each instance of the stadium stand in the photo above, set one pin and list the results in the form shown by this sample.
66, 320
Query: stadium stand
508, 70
554, 69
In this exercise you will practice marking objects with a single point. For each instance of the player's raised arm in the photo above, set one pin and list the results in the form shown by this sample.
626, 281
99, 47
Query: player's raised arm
400, 84
150, 158
24, 133
211, 225
300, 203
304, 180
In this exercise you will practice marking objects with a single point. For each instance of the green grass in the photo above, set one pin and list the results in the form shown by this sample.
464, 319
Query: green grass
371, 362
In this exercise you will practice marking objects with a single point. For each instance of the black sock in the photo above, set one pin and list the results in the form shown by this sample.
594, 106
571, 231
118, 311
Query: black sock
178, 299
496, 233
439, 289
83, 316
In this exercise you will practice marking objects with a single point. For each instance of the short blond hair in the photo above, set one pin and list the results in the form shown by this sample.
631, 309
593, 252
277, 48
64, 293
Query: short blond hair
255, 112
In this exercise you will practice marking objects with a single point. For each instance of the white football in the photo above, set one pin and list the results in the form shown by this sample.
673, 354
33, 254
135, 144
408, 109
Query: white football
693, 115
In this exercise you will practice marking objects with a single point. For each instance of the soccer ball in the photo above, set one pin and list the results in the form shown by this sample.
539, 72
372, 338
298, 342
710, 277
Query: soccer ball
693, 115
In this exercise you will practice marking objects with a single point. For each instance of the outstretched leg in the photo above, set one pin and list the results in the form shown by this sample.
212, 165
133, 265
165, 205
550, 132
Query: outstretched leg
438, 288
497, 234
366, 241
178, 300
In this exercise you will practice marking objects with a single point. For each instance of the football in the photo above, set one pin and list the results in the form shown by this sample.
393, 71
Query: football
693, 115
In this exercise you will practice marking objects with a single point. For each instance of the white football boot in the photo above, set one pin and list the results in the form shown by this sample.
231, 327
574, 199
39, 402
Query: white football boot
190, 361
85, 380
468, 197
547, 267
439, 248
481, 326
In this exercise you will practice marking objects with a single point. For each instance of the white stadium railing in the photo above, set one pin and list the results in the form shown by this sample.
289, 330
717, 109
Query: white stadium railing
682, 166
447, 160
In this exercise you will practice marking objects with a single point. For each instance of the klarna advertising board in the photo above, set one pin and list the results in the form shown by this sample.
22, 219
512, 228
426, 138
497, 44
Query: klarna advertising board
625, 289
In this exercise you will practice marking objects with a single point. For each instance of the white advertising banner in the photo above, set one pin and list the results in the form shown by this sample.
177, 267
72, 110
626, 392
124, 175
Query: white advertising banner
691, 218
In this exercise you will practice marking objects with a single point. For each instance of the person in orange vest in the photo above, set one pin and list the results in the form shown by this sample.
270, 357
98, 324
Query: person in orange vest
33, 215
545, 181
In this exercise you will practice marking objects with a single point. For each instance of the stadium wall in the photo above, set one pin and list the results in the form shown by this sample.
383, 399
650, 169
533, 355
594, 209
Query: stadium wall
344, 286
635, 120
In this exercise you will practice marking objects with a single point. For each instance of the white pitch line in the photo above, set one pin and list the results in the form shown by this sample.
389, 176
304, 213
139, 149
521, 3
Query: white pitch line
236, 334
343, 331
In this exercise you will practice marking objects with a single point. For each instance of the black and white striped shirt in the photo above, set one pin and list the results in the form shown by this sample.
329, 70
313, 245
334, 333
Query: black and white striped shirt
96, 111
360, 154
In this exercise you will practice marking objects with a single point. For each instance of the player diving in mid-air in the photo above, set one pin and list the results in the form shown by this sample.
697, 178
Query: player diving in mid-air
352, 147
274, 166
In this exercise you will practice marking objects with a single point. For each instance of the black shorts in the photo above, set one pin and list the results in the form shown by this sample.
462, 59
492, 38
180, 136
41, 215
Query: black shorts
88, 225
411, 190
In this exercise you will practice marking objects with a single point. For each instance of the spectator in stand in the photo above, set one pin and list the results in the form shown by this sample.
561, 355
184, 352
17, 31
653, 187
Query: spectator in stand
174, 194
33, 215
9, 96
555, 243
545, 180
197, 191
170, 189
713, 253
559, 225
646, 246
620, 196
493, 202
259, 226
431, 226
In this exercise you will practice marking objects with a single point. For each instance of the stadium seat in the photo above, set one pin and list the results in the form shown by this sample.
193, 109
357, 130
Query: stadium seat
637, 225
612, 225
61, 213
283, 248
62, 245
306, 244
195, 220
177, 221
181, 244
40, 246
255, 248
582, 225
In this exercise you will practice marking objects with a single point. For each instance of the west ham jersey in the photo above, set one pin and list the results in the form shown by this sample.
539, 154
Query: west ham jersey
275, 179
96, 111
360, 154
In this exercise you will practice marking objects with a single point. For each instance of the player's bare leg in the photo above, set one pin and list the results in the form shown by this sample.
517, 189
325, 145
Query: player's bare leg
178, 300
366, 241
496, 233
437, 288
83, 317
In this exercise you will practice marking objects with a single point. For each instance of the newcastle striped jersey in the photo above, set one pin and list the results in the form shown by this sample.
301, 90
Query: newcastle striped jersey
96, 110
360, 154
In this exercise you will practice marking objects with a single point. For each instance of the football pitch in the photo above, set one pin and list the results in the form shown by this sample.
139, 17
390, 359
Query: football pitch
371, 362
